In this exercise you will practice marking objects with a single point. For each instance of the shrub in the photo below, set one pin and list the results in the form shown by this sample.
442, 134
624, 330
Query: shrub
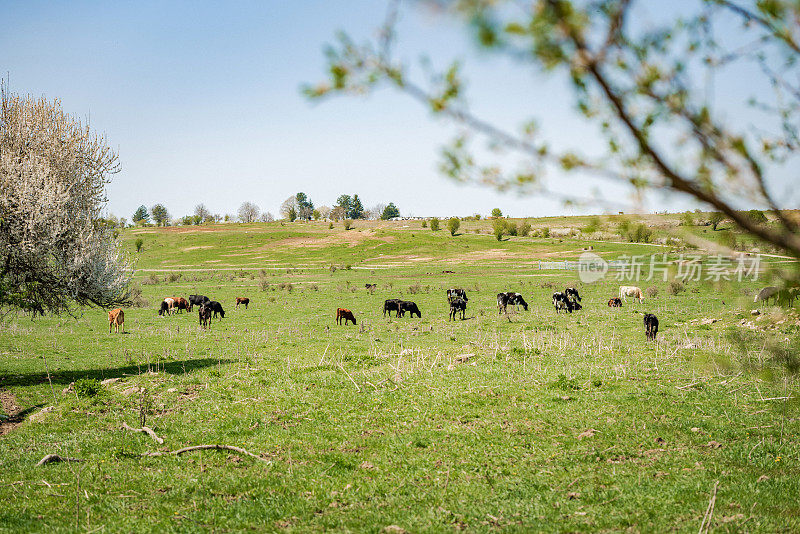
687, 219
639, 233
453, 225
139, 244
498, 228
424, 224
757, 216
137, 300
151, 280
592, 225
435, 224
173, 277
511, 228
715, 218
545, 232
566, 384
524, 229
333, 268
263, 284
330, 226
651, 291
416, 288
348, 224
88, 387
675, 287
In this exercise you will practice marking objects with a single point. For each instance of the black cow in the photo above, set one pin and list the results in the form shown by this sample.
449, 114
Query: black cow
198, 300
391, 305
204, 315
650, 326
216, 308
571, 292
573, 305
164, 308
456, 293
457, 304
408, 306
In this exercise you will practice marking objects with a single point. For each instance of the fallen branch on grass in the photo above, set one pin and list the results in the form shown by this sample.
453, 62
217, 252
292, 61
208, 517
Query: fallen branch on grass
146, 430
204, 447
50, 458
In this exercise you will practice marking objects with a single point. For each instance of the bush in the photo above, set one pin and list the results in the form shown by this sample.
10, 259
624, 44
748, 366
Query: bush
687, 219
524, 229
675, 287
88, 387
639, 233
715, 218
173, 277
137, 300
498, 228
453, 225
348, 224
511, 228
545, 232
263, 284
330, 226
139, 244
757, 215
592, 226
424, 224
651, 291
416, 288
151, 280
435, 224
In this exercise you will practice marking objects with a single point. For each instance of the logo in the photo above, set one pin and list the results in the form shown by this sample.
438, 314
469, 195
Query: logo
591, 267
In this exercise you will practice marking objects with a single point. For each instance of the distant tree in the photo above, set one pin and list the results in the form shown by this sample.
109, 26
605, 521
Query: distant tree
287, 206
202, 213
248, 212
435, 224
375, 211
687, 219
497, 213
498, 228
390, 212
267, 217
316, 214
356, 208
477, 216
757, 216
338, 213
292, 215
160, 215
139, 244
715, 218
324, 211
453, 225
53, 176
304, 206
141, 216
348, 224
187, 220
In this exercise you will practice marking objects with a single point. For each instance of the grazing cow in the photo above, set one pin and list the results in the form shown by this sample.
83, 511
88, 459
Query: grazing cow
408, 306
165, 309
344, 314
560, 302
391, 305
631, 291
242, 300
457, 304
216, 308
572, 293
767, 293
615, 302
456, 293
502, 302
650, 326
116, 318
171, 303
199, 300
204, 315
573, 305
182, 304
510, 297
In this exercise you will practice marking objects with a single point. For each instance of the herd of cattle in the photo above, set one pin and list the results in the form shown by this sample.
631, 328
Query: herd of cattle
568, 300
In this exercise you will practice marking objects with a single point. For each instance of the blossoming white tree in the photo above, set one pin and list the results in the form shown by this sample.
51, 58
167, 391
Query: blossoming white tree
54, 253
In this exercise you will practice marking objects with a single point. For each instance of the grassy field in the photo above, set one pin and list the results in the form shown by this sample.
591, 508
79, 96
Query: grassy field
533, 422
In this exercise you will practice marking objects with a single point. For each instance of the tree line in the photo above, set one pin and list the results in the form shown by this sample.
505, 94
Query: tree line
296, 207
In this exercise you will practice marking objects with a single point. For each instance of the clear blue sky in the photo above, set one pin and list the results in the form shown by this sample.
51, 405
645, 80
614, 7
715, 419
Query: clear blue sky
202, 102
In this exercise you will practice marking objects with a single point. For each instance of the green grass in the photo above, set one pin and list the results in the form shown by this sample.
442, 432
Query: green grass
542, 423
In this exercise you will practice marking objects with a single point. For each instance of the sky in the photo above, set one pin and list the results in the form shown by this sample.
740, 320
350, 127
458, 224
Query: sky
202, 102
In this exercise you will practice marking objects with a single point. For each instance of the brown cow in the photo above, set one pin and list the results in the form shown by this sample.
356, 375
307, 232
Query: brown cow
182, 304
116, 318
347, 315
242, 300
615, 302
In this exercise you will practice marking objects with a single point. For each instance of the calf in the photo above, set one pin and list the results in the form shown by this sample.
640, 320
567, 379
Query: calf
242, 300
204, 315
216, 308
650, 326
408, 306
616, 302
766, 294
116, 318
560, 302
457, 304
391, 305
631, 291
344, 314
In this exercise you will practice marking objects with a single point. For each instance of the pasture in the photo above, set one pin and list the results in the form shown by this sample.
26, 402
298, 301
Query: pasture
532, 422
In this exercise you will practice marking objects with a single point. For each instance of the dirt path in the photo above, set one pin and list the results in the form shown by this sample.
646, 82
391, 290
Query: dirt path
12, 409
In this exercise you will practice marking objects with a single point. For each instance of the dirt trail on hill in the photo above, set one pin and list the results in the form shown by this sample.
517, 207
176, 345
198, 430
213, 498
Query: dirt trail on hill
12, 408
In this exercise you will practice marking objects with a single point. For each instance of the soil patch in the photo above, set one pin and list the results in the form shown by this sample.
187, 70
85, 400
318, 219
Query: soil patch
12, 409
